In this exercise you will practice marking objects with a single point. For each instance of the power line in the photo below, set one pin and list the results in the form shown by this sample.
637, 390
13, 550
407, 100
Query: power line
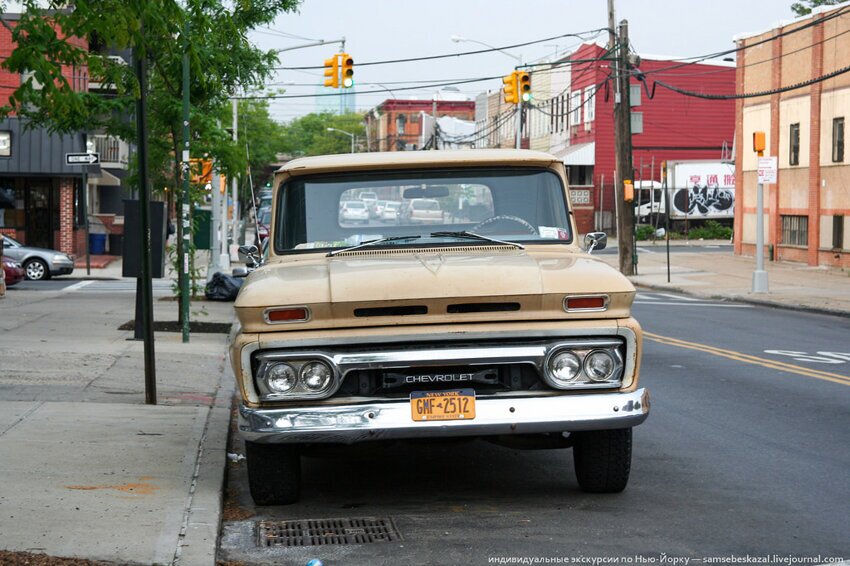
433, 85
447, 55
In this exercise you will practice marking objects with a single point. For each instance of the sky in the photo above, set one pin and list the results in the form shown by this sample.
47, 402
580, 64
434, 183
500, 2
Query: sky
377, 30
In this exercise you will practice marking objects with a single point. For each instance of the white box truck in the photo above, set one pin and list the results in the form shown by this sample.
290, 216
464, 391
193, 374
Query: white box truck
699, 189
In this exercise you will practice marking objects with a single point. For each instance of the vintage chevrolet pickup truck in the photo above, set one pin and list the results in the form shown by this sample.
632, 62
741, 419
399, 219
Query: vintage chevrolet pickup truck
477, 315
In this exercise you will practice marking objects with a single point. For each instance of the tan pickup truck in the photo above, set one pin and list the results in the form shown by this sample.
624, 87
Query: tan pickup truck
491, 322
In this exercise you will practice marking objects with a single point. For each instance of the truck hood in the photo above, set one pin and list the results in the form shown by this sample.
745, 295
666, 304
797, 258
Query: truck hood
333, 288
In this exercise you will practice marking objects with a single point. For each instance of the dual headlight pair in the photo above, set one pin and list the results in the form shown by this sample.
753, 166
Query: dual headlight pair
574, 368
281, 379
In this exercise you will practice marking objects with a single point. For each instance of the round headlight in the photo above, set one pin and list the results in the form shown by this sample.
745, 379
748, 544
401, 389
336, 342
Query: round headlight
281, 378
564, 366
599, 365
316, 376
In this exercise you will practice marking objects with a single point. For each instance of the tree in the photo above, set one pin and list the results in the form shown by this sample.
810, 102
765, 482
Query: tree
50, 40
309, 135
805, 7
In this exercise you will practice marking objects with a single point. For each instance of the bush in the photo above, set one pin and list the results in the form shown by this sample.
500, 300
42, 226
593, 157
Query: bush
644, 232
711, 230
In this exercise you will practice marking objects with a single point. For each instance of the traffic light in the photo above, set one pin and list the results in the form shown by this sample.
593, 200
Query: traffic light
347, 70
332, 71
524, 83
511, 90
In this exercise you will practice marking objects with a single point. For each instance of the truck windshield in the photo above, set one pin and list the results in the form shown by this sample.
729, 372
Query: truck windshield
525, 205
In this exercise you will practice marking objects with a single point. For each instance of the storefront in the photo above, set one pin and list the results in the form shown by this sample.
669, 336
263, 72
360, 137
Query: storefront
40, 196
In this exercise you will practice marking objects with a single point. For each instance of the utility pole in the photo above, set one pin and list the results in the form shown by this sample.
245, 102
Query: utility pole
434, 115
235, 181
619, 41
184, 239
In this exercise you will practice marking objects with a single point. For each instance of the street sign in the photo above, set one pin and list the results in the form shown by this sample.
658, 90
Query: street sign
82, 158
767, 170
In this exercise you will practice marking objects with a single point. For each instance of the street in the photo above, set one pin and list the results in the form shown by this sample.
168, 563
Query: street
746, 452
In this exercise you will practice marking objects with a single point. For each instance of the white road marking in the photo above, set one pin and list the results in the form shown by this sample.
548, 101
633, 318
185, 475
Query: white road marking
76, 286
681, 298
645, 250
672, 304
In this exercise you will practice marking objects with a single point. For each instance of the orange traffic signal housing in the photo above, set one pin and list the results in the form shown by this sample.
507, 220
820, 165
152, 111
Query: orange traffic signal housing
332, 71
524, 82
759, 142
511, 91
347, 70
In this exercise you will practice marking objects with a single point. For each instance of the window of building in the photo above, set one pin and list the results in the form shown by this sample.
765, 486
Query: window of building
794, 145
838, 232
400, 122
634, 95
838, 140
589, 104
795, 230
637, 122
575, 108
11, 205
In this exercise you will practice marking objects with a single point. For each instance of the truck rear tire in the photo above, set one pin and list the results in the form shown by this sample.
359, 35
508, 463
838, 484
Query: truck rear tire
274, 473
603, 459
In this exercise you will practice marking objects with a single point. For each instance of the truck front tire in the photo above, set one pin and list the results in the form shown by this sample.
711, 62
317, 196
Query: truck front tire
274, 473
603, 459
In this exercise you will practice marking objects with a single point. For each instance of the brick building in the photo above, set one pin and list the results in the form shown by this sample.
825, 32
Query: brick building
573, 107
808, 208
39, 194
396, 125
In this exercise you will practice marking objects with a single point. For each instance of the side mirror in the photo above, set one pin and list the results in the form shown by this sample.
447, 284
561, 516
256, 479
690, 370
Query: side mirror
239, 272
250, 255
595, 241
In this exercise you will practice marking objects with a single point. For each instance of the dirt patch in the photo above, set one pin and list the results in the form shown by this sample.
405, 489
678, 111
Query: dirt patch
194, 326
30, 559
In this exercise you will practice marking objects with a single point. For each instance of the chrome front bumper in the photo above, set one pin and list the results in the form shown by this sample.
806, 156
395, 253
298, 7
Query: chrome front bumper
349, 424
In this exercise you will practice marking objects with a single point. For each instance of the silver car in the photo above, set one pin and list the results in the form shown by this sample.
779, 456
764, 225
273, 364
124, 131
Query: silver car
39, 263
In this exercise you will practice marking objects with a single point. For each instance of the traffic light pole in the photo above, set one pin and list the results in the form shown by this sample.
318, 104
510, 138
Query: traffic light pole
184, 212
519, 123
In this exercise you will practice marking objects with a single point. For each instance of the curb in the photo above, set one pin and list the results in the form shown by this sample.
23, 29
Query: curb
199, 544
746, 300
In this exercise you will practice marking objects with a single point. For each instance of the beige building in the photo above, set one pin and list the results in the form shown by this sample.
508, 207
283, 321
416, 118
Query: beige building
807, 211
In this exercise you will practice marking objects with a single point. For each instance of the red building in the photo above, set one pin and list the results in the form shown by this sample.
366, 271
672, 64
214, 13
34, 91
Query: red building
396, 125
666, 125
39, 193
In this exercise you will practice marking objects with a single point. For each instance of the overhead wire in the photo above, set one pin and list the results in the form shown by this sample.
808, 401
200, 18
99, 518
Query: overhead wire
448, 55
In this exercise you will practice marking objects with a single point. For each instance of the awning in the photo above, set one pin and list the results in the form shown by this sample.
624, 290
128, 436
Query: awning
579, 154
106, 179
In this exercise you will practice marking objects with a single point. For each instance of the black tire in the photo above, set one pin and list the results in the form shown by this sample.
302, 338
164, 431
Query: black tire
603, 459
274, 473
36, 269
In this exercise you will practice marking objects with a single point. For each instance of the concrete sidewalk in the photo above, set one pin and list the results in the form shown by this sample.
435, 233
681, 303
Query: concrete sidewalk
86, 468
723, 275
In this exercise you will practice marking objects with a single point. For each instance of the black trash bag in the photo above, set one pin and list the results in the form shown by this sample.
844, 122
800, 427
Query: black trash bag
222, 287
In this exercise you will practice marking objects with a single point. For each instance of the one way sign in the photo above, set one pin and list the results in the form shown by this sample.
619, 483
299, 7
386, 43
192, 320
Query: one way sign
82, 158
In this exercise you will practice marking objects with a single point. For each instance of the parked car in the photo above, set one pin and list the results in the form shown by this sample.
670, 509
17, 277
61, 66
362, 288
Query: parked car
354, 211
390, 211
502, 329
13, 271
423, 211
264, 218
38, 263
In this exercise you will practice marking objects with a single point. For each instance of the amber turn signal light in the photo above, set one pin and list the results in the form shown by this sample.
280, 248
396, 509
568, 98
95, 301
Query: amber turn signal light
595, 303
289, 314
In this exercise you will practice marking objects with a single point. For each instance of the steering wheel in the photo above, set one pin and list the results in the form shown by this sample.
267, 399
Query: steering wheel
501, 217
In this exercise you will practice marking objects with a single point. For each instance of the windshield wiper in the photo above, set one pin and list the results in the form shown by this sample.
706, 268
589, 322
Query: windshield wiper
373, 243
473, 236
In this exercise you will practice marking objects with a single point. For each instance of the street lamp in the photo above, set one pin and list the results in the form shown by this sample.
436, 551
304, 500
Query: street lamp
518, 58
349, 134
459, 38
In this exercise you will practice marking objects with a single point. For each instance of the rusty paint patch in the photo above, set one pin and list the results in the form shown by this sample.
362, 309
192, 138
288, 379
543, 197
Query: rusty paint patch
142, 487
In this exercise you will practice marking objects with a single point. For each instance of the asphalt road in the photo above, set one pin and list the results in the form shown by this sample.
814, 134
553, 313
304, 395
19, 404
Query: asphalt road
746, 452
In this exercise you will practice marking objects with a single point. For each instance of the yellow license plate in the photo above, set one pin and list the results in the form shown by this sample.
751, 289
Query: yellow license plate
452, 405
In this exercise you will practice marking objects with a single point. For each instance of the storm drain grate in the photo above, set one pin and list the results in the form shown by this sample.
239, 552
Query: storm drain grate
321, 532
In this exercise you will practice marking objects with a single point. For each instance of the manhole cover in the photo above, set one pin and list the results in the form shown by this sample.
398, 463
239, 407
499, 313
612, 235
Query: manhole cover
320, 532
